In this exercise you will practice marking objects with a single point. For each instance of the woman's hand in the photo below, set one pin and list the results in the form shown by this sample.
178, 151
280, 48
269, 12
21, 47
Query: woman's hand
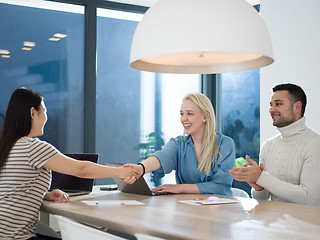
138, 169
129, 174
57, 195
170, 188
125, 172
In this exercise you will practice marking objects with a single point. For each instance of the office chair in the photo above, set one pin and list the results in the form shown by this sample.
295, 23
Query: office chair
71, 230
45, 230
141, 236
237, 192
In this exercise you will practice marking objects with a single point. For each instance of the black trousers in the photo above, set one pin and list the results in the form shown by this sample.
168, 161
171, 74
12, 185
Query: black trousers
43, 237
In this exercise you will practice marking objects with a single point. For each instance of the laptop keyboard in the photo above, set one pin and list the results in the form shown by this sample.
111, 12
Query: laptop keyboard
160, 193
76, 192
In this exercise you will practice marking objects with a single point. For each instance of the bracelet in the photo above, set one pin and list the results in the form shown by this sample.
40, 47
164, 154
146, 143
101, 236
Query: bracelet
144, 169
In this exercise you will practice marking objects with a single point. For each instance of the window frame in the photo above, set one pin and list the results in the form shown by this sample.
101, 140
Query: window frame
210, 83
90, 66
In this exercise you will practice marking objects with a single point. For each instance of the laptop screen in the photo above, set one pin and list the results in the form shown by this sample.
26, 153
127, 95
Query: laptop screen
70, 183
138, 187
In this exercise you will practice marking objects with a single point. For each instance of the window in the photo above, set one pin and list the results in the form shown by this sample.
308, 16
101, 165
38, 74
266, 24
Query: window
162, 96
240, 110
132, 106
42, 48
240, 107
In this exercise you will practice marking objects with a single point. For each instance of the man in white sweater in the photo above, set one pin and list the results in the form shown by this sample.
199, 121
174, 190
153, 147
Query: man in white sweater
290, 161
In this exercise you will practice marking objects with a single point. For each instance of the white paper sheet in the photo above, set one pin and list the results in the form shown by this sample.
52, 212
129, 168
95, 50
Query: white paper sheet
112, 202
209, 201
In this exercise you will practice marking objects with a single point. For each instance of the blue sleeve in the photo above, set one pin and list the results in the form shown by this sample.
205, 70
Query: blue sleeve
168, 158
219, 181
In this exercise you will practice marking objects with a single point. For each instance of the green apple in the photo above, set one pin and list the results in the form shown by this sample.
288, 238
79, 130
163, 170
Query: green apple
240, 161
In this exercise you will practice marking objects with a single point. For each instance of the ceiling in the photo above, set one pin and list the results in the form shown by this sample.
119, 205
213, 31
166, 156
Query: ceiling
149, 3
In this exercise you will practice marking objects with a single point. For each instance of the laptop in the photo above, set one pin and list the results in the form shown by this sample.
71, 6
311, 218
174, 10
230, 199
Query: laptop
73, 185
140, 186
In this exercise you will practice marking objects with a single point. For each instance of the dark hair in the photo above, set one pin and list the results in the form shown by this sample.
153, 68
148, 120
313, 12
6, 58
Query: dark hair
17, 121
296, 93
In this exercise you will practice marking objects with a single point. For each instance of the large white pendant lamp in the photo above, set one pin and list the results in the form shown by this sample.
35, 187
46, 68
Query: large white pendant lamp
201, 36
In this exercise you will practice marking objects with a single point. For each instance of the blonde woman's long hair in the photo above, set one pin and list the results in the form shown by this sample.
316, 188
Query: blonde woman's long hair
209, 146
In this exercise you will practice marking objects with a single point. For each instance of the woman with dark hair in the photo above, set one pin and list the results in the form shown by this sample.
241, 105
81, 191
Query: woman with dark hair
26, 163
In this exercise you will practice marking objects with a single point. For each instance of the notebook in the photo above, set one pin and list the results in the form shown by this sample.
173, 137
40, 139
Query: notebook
74, 185
140, 186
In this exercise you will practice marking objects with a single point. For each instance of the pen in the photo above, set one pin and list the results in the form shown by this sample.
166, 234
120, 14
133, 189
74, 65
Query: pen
200, 199
122, 203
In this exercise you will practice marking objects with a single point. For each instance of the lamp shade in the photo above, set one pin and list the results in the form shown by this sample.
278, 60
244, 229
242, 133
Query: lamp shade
201, 36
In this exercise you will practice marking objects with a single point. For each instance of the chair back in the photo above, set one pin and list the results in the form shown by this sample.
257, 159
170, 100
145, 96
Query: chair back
71, 230
237, 192
141, 236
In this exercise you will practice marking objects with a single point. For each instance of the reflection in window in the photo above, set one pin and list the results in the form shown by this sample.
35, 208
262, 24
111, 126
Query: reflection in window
240, 109
161, 98
53, 68
118, 92
137, 112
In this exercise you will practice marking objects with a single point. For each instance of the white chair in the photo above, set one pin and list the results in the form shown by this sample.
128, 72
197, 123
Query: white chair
237, 192
141, 236
44, 229
71, 230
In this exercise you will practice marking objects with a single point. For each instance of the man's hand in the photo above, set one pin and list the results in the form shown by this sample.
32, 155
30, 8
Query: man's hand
248, 173
253, 184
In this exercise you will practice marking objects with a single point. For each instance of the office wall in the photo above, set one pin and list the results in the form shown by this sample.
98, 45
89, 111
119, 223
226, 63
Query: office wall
294, 30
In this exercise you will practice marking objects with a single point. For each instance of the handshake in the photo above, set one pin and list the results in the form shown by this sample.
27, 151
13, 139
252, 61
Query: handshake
129, 173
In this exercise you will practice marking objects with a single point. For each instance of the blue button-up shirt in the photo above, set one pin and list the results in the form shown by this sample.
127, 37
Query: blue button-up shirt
180, 155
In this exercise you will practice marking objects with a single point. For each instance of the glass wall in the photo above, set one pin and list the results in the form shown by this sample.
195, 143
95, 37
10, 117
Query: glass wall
41, 47
161, 98
137, 112
118, 91
240, 110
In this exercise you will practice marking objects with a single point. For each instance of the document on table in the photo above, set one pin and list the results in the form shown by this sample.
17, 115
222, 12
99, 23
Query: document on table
112, 202
209, 201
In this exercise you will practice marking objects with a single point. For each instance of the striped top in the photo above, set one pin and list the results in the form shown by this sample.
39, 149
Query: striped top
23, 184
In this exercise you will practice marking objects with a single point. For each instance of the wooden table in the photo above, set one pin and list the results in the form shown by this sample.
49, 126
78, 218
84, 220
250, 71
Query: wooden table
166, 217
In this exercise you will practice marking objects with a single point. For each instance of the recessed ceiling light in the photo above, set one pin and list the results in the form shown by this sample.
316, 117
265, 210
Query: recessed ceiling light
54, 39
26, 48
3, 51
5, 56
29, 44
60, 35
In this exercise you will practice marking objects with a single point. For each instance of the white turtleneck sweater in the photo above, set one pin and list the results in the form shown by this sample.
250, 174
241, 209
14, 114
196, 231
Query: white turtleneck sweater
291, 162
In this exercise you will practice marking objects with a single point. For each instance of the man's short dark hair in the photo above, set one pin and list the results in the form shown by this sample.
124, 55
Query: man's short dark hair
296, 93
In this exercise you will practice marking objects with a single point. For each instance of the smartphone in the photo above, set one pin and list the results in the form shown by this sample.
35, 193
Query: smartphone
109, 188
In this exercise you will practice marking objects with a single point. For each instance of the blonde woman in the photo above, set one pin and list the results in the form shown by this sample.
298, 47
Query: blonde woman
201, 157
